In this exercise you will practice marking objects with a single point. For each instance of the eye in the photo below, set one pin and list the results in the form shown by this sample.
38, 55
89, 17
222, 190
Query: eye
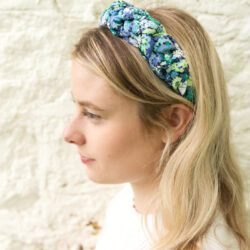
91, 115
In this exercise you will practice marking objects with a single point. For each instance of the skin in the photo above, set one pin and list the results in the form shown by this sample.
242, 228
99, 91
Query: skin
114, 136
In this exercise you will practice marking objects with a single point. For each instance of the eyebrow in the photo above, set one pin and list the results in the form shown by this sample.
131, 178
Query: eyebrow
87, 104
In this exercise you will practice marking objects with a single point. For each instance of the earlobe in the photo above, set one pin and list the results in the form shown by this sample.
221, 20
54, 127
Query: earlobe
177, 117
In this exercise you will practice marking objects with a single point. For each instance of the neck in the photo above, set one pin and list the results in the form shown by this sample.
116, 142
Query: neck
144, 193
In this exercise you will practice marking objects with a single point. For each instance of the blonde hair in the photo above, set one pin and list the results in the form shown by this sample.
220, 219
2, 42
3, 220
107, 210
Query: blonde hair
198, 174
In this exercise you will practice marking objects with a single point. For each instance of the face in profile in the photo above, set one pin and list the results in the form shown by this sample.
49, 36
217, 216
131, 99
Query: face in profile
108, 133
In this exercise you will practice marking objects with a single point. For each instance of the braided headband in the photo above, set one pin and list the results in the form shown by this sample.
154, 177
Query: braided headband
164, 55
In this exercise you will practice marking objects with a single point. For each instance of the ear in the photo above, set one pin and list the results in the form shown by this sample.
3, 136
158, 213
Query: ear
177, 116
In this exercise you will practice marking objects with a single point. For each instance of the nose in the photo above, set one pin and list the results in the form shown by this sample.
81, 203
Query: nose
72, 133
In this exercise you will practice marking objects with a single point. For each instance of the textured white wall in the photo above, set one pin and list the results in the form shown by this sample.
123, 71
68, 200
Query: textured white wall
46, 200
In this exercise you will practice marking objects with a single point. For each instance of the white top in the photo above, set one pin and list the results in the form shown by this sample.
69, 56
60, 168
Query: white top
123, 230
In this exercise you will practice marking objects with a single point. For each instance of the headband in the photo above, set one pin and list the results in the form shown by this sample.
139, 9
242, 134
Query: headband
164, 55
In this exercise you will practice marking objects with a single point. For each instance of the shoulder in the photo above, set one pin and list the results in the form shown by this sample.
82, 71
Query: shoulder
219, 236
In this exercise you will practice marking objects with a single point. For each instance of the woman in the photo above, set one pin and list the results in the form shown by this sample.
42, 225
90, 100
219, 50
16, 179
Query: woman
153, 112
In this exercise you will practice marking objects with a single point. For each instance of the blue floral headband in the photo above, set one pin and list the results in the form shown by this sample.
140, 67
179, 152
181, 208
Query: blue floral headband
164, 55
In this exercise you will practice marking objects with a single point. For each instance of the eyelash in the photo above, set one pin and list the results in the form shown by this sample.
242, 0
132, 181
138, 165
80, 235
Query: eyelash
91, 115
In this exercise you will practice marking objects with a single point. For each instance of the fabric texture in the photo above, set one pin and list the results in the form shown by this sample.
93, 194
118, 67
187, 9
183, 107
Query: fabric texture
123, 230
161, 50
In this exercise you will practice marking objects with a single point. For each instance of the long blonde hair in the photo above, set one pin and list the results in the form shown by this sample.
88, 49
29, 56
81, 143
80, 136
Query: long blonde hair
199, 173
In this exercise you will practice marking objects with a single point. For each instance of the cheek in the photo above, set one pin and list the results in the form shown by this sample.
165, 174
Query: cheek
131, 158
116, 142
122, 153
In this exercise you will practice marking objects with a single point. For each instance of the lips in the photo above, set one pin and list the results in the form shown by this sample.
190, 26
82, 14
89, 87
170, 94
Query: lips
86, 160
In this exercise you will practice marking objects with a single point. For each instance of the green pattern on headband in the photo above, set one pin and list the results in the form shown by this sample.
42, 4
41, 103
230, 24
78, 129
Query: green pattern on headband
164, 55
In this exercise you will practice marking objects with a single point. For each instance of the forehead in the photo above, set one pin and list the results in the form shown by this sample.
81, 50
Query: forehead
88, 86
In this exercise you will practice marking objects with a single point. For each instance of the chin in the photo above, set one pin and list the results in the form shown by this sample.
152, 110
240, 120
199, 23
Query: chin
103, 180
98, 179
